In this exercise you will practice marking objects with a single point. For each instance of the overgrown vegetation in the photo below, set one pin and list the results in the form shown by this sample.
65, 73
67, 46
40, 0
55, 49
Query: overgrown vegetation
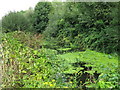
62, 45
14, 21
85, 25
29, 68
26, 67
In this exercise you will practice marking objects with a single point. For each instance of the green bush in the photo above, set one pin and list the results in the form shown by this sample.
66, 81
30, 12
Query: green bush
28, 68
88, 66
29, 39
25, 67
14, 21
91, 25
41, 12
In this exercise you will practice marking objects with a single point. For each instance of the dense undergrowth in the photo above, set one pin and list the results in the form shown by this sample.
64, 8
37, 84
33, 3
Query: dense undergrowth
26, 67
61, 45
29, 66
92, 25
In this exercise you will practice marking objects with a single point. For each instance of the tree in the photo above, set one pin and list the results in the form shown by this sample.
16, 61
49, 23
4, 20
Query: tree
41, 13
91, 25
29, 15
14, 21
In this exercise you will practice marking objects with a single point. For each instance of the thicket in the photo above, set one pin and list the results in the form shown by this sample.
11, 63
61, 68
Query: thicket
85, 25
91, 25
28, 67
63, 27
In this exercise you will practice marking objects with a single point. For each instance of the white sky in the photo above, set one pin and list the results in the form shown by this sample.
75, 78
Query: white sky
15, 5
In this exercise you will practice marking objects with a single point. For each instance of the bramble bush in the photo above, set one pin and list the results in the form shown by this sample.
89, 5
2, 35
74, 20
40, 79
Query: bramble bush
26, 67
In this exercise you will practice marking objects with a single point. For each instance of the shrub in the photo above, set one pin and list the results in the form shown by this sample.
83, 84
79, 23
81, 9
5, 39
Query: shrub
27, 68
14, 21
95, 24
41, 12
